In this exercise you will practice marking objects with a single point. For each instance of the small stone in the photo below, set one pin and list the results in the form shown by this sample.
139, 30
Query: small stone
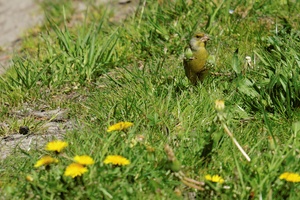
24, 130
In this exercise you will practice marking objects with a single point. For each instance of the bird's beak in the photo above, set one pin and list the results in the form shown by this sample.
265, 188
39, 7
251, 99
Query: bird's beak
205, 38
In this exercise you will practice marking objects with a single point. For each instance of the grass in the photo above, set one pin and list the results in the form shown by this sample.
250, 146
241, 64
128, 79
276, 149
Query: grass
106, 72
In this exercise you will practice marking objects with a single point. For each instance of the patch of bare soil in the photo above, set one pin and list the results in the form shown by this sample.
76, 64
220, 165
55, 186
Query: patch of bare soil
15, 17
54, 123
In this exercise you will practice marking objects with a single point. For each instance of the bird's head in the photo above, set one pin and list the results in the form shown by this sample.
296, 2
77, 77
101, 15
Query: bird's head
198, 40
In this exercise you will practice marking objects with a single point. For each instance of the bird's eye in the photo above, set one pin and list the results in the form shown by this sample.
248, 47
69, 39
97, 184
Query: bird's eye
198, 36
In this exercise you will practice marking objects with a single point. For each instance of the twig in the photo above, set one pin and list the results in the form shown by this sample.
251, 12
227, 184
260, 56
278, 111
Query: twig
193, 181
192, 185
221, 74
190, 182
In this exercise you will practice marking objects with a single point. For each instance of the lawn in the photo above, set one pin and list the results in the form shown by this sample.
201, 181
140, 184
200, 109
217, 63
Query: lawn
140, 129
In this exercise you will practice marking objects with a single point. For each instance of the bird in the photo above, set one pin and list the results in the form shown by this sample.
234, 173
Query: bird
195, 58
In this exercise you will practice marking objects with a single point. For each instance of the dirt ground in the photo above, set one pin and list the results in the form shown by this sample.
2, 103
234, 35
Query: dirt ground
17, 16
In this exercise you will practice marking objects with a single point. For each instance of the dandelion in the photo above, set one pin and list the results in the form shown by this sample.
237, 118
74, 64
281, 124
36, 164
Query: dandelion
84, 160
75, 169
214, 178
290, 177
29, 178
219, 105
116, 160
45, 160
56, 146
119, 126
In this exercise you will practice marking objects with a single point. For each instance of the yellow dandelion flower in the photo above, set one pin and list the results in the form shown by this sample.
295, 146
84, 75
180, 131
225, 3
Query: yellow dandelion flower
119, 126
284, 175
45, 160
219, 105
56, 145
84, 160
214, 178
116, 160
75, 169
290, 177
29, 178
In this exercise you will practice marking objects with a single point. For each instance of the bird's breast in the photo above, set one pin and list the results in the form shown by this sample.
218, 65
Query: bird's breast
199, 59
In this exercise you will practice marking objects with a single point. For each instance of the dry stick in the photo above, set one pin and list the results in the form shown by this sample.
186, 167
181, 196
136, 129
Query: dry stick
190, 182
193, 181
236, 142
183, 176
221, 74
192, 185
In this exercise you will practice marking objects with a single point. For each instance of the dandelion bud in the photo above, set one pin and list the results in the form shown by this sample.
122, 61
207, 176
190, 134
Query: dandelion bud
175, 166
29, 178
219, 105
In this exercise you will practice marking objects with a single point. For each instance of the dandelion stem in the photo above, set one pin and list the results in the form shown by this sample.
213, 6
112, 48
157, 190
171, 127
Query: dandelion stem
236, 142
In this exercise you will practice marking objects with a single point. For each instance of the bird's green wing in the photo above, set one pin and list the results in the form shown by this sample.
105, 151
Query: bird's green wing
188, 53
